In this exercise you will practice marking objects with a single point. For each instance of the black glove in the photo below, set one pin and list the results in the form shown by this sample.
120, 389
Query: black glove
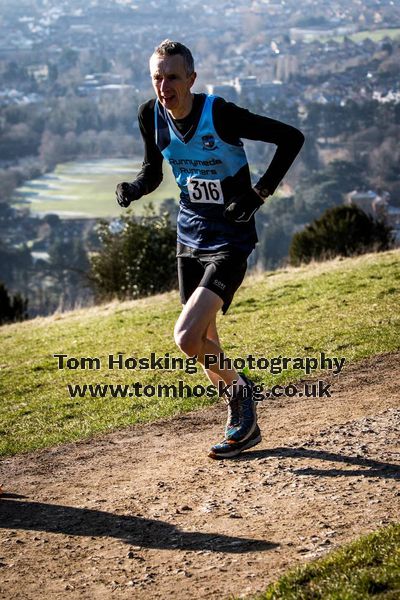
242, 208
127, 193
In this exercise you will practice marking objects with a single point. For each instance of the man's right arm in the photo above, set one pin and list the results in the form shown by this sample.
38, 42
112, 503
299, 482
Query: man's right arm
150, 176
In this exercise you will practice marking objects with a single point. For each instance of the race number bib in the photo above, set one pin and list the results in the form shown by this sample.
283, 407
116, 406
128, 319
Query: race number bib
205, 191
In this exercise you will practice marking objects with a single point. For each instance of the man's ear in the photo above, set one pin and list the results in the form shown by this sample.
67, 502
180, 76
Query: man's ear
193, 78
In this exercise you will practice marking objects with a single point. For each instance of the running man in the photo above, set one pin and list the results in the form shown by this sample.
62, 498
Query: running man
200, 137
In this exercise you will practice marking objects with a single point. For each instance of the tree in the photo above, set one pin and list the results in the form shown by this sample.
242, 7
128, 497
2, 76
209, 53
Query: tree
170, 206
274, 245
325, 188
384, 161
69, 265
342, 230
12, 309
137, 257
15, 263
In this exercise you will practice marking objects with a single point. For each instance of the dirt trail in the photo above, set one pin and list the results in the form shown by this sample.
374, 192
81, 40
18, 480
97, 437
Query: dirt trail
145, 514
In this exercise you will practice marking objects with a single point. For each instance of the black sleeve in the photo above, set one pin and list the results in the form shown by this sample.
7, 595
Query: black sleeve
233, 123
150, 176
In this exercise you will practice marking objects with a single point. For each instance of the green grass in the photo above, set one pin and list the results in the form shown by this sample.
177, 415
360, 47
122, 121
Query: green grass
376, 35
366, 568
87, 189
345, 308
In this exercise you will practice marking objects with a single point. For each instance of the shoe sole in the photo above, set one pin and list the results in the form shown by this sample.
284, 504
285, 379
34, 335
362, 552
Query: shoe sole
236, 452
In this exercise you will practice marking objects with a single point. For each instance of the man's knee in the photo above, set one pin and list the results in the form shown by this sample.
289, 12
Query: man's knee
188, 342
191, 328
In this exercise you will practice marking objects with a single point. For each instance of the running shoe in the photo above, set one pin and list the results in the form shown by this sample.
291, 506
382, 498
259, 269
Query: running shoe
231, 448
233, 419
247, 413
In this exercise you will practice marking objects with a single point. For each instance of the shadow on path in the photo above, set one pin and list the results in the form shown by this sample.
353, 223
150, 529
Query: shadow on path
371, 468
139, 531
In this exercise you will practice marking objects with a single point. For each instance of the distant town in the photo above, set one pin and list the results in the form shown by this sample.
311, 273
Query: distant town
268, 49
73, 74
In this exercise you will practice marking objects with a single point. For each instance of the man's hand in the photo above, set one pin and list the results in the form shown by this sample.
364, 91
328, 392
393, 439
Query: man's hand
127, 193
242, 208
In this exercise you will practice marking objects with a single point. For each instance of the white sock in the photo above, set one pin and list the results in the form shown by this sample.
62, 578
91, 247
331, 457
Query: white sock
235, 387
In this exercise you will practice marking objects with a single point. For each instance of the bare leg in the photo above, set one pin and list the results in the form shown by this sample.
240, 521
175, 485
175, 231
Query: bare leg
196, 333
212, 335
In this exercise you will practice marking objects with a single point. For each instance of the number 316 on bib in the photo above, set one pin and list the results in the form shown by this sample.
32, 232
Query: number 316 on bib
205, 190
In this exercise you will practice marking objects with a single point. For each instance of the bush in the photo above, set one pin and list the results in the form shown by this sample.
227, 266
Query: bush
12, 309
342, 230
137, 257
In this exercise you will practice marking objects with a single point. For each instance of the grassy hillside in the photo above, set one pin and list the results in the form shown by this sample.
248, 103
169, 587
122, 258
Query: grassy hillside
87, 189
346, 308
376, 35
366, 568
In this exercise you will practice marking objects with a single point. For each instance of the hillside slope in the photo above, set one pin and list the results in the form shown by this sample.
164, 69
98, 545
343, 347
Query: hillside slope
345, 309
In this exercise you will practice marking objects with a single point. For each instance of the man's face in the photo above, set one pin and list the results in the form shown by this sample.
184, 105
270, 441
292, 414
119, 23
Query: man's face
171, 82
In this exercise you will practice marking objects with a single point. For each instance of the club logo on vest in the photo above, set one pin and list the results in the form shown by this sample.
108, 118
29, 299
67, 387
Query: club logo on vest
208, 142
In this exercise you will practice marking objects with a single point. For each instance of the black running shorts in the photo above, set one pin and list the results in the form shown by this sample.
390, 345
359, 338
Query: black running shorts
220, 271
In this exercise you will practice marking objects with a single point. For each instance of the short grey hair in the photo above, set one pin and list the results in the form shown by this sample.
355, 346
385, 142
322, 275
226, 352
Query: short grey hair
170, 48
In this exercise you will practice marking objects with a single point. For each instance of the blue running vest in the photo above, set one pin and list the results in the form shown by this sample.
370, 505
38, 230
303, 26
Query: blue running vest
209, 172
